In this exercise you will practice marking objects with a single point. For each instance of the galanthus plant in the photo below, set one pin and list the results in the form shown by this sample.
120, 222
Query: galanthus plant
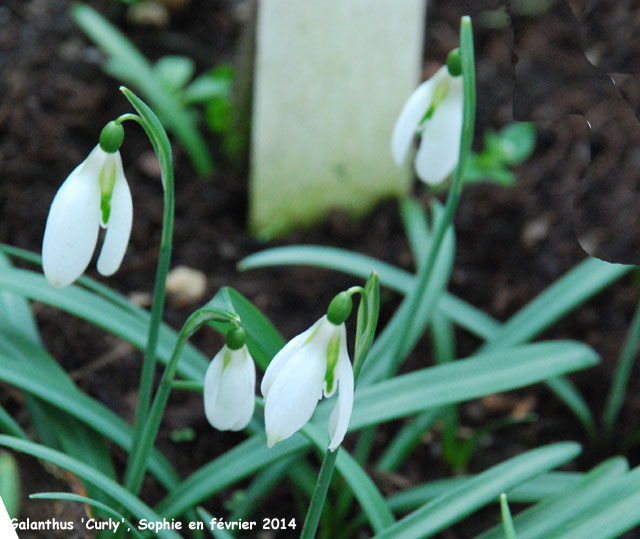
95, 194
434, 113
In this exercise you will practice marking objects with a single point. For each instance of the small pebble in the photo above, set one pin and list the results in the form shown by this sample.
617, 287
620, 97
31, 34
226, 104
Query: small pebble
186, 285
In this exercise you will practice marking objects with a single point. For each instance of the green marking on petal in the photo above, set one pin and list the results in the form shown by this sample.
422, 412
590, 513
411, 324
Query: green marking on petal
107, 182
226, 358
313, 334
333, 350
440, 92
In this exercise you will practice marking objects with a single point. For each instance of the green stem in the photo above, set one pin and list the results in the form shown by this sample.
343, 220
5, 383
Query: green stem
623, 371
188, 385
319, 495
160, 142
140, 452
468, 121
368, 312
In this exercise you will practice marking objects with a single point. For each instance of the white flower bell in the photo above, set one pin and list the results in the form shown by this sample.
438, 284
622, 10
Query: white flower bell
312, 365
95, 194
229, 385
434, 111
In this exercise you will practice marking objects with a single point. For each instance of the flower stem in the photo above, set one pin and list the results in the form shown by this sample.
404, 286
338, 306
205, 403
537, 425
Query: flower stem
368, 311
319, 495
160, 142
140, 452
466, 138
468, 72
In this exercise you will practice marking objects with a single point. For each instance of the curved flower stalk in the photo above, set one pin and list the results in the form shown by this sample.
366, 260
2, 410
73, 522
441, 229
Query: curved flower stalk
312, 365
229, 389
434, 111
96, 194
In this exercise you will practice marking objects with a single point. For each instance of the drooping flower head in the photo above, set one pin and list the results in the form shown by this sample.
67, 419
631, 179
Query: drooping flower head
312, 365
94, 195
434, 111
229, 385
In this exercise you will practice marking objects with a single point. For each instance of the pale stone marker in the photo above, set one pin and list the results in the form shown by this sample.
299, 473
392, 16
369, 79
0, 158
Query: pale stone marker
331, 76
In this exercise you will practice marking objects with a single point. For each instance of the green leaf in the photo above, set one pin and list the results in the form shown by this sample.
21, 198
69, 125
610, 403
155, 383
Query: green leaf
516, 142
78, 405
406, 439
8, 425
533, 490
120, 322
416, 227
174, 71
243, 460
610, 514
133, 68
368, 311
385, 356
544, 518
214, 84
62, 430
131, 503
359, 265
263, 340
9, 484
465, 379
575, 287
484, 488
88, 501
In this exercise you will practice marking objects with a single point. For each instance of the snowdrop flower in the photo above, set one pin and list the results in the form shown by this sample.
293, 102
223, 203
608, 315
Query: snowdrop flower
312, 365
434, 111
94, 195
229, 385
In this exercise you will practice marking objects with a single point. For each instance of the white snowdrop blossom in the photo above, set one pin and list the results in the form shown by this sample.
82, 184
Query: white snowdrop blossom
312, 365
94, 195
434, 111
229, 389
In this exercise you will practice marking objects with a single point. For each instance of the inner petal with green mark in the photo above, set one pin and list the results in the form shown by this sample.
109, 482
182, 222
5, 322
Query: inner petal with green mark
333, 351
107, 182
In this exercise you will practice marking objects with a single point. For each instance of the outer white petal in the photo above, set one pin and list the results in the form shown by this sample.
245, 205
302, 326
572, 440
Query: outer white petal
72, 225
414, 110
439, 149
295, 392
284, 355
229, 390
119, 225
341, 414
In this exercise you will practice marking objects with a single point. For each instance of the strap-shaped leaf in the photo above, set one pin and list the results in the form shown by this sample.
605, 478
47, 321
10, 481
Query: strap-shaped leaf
483, 489
130, 502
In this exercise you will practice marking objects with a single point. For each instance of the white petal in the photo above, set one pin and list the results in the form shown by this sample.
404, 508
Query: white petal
72, 225
119, 225
439, 149
229, 390
341, 414
294, 394
283, 356
414, 110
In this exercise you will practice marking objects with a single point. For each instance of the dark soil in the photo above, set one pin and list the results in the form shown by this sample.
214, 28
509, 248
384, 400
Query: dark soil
511, 242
